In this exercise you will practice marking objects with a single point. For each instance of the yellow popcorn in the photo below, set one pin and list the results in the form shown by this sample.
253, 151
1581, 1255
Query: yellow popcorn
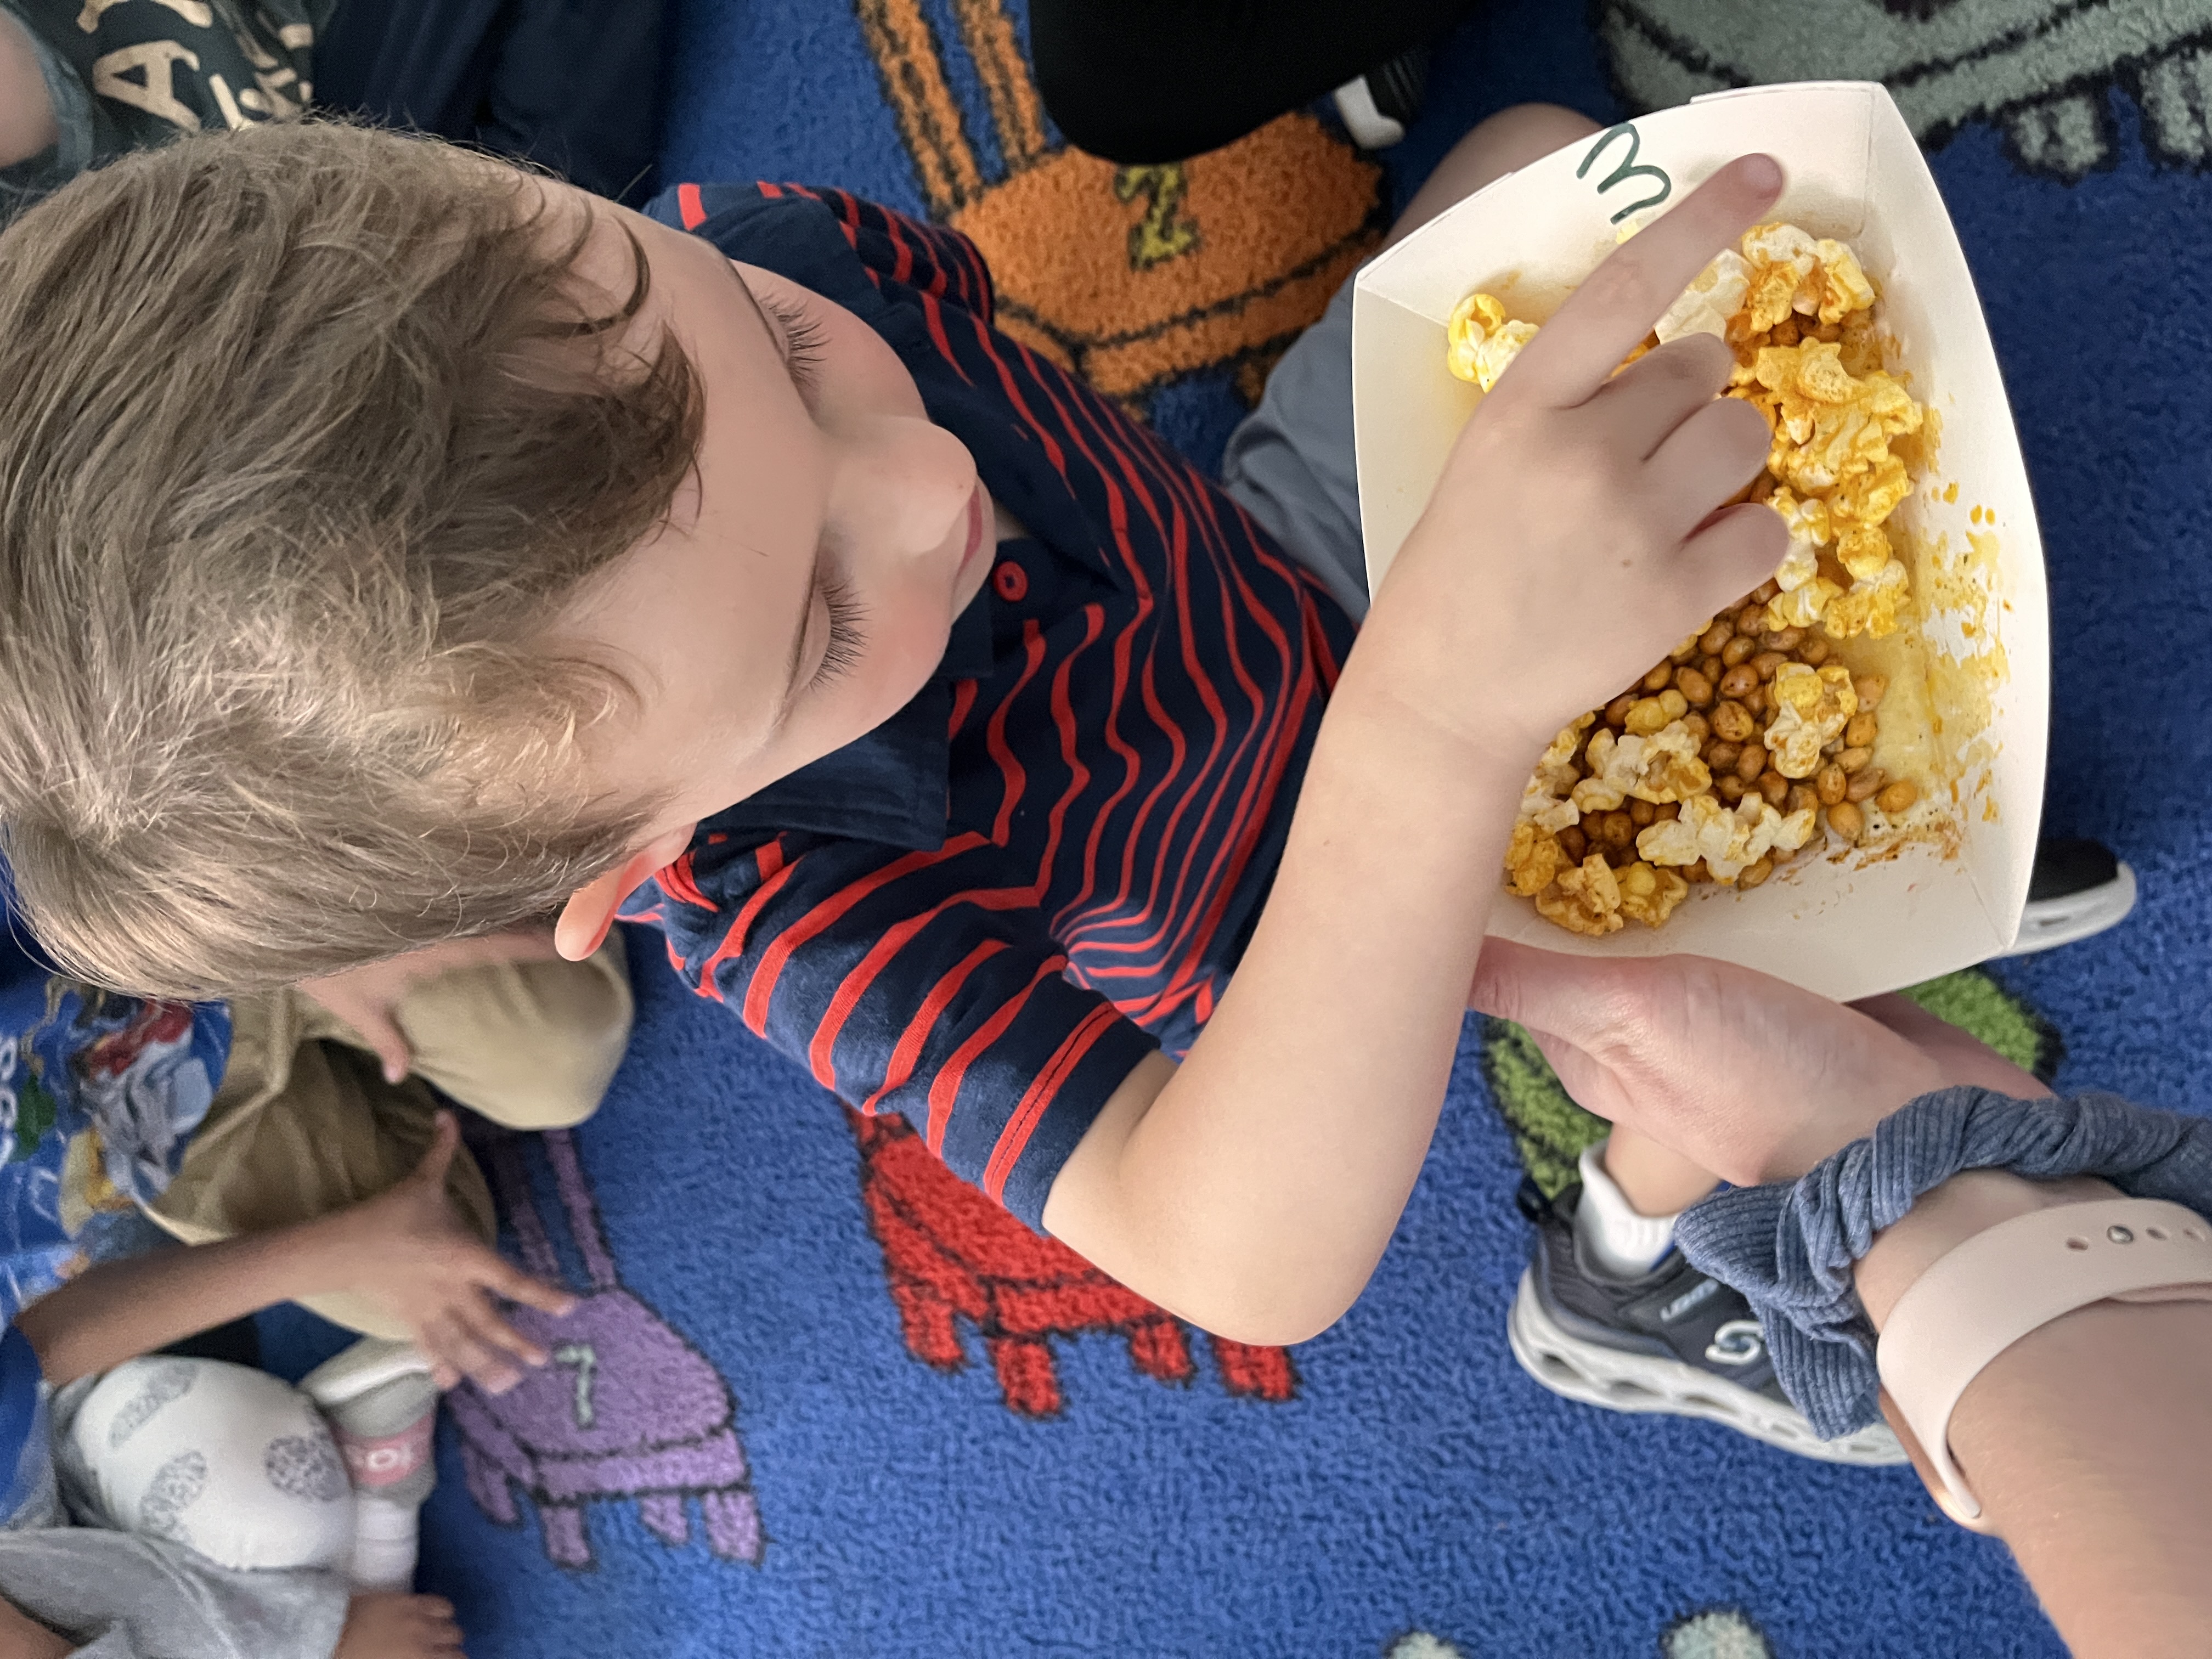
1481, 343
1869, 607
1660, 768
1541, 802
1533, 858
1583, 900
1812, 707
1649, 894
1712, 297
1782, 257
1844, 287
1727, 840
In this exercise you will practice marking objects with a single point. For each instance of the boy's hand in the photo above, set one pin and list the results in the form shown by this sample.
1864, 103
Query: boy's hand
1745, 1075
368, 998
1579, 529
391, 1625
409, 1251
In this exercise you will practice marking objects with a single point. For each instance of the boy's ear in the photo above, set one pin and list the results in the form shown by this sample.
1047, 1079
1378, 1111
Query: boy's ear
590, 910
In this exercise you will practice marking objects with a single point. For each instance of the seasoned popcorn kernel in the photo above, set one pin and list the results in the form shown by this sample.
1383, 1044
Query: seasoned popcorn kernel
1812, 706
1663, 766
1650, 895
1583, 900
1481, 343
1533, 858
1727, 840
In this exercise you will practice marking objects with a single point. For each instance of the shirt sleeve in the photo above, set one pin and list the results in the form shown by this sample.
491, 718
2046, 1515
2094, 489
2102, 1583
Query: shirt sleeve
924, 983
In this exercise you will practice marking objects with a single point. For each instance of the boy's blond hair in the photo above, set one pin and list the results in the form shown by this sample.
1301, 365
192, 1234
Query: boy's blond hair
306, 433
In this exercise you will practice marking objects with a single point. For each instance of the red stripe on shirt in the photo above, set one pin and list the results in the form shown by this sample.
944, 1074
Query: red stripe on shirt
906, 1055
945, 1088
1014, 1138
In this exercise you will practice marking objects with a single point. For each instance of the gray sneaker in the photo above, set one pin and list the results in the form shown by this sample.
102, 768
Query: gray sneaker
1671, 1342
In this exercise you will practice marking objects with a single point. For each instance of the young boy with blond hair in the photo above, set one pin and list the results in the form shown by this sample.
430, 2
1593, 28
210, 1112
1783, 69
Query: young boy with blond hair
442, 548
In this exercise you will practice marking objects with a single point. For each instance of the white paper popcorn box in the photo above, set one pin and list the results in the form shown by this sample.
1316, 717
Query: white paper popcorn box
1947, 887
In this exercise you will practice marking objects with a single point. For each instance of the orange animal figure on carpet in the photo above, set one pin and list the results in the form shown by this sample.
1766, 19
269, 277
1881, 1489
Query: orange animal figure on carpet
1131, 277
950, 1252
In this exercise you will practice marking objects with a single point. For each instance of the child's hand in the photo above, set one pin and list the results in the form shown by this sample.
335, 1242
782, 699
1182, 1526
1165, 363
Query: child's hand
409, 1251
1579, 529
391, 1625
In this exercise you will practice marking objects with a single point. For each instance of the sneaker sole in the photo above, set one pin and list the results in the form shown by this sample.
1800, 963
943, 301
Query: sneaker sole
1637, 1382
2050, 923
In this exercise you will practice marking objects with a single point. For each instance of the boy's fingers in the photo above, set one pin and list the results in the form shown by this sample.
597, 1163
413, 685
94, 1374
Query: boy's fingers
1651, 399
1711, 455
1737, 549
485, 1366
1603, 319
1580, 1000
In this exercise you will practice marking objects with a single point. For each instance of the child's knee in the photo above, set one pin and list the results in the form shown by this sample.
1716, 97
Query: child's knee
531, 1045
1530, 131
229, 1461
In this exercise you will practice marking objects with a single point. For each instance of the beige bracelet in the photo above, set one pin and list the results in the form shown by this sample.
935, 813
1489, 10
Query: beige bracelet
2017, 1276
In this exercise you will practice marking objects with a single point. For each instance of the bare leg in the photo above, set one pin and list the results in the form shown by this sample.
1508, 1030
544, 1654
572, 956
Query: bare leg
1507, 142
1656, 1179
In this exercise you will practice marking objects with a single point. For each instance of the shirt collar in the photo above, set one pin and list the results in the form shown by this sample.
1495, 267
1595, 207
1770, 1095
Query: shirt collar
889, 785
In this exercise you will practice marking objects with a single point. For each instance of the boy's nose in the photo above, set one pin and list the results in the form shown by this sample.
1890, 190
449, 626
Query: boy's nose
904, 487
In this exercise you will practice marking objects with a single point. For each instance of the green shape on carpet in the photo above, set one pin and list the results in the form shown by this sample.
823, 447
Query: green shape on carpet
1550, 1131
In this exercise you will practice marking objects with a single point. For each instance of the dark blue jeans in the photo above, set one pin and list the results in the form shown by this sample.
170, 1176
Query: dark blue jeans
573, 85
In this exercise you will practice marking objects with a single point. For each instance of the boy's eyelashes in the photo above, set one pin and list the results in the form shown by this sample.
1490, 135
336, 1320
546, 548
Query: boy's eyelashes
802, 341
847, 641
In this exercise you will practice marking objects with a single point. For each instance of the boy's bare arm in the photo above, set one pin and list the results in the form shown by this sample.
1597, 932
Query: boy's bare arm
1254, 1188
405, 1249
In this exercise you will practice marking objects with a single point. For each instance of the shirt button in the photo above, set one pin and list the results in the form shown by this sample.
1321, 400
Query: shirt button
1012, 581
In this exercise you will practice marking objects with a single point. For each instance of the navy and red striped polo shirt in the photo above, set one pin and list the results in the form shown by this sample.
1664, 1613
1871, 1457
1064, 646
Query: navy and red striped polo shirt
982, 914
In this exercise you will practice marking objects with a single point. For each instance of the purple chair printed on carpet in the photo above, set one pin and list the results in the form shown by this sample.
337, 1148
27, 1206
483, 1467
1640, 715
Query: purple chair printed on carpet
628, 1409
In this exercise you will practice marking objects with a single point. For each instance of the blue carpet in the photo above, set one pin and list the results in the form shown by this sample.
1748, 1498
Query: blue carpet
1414, 1494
